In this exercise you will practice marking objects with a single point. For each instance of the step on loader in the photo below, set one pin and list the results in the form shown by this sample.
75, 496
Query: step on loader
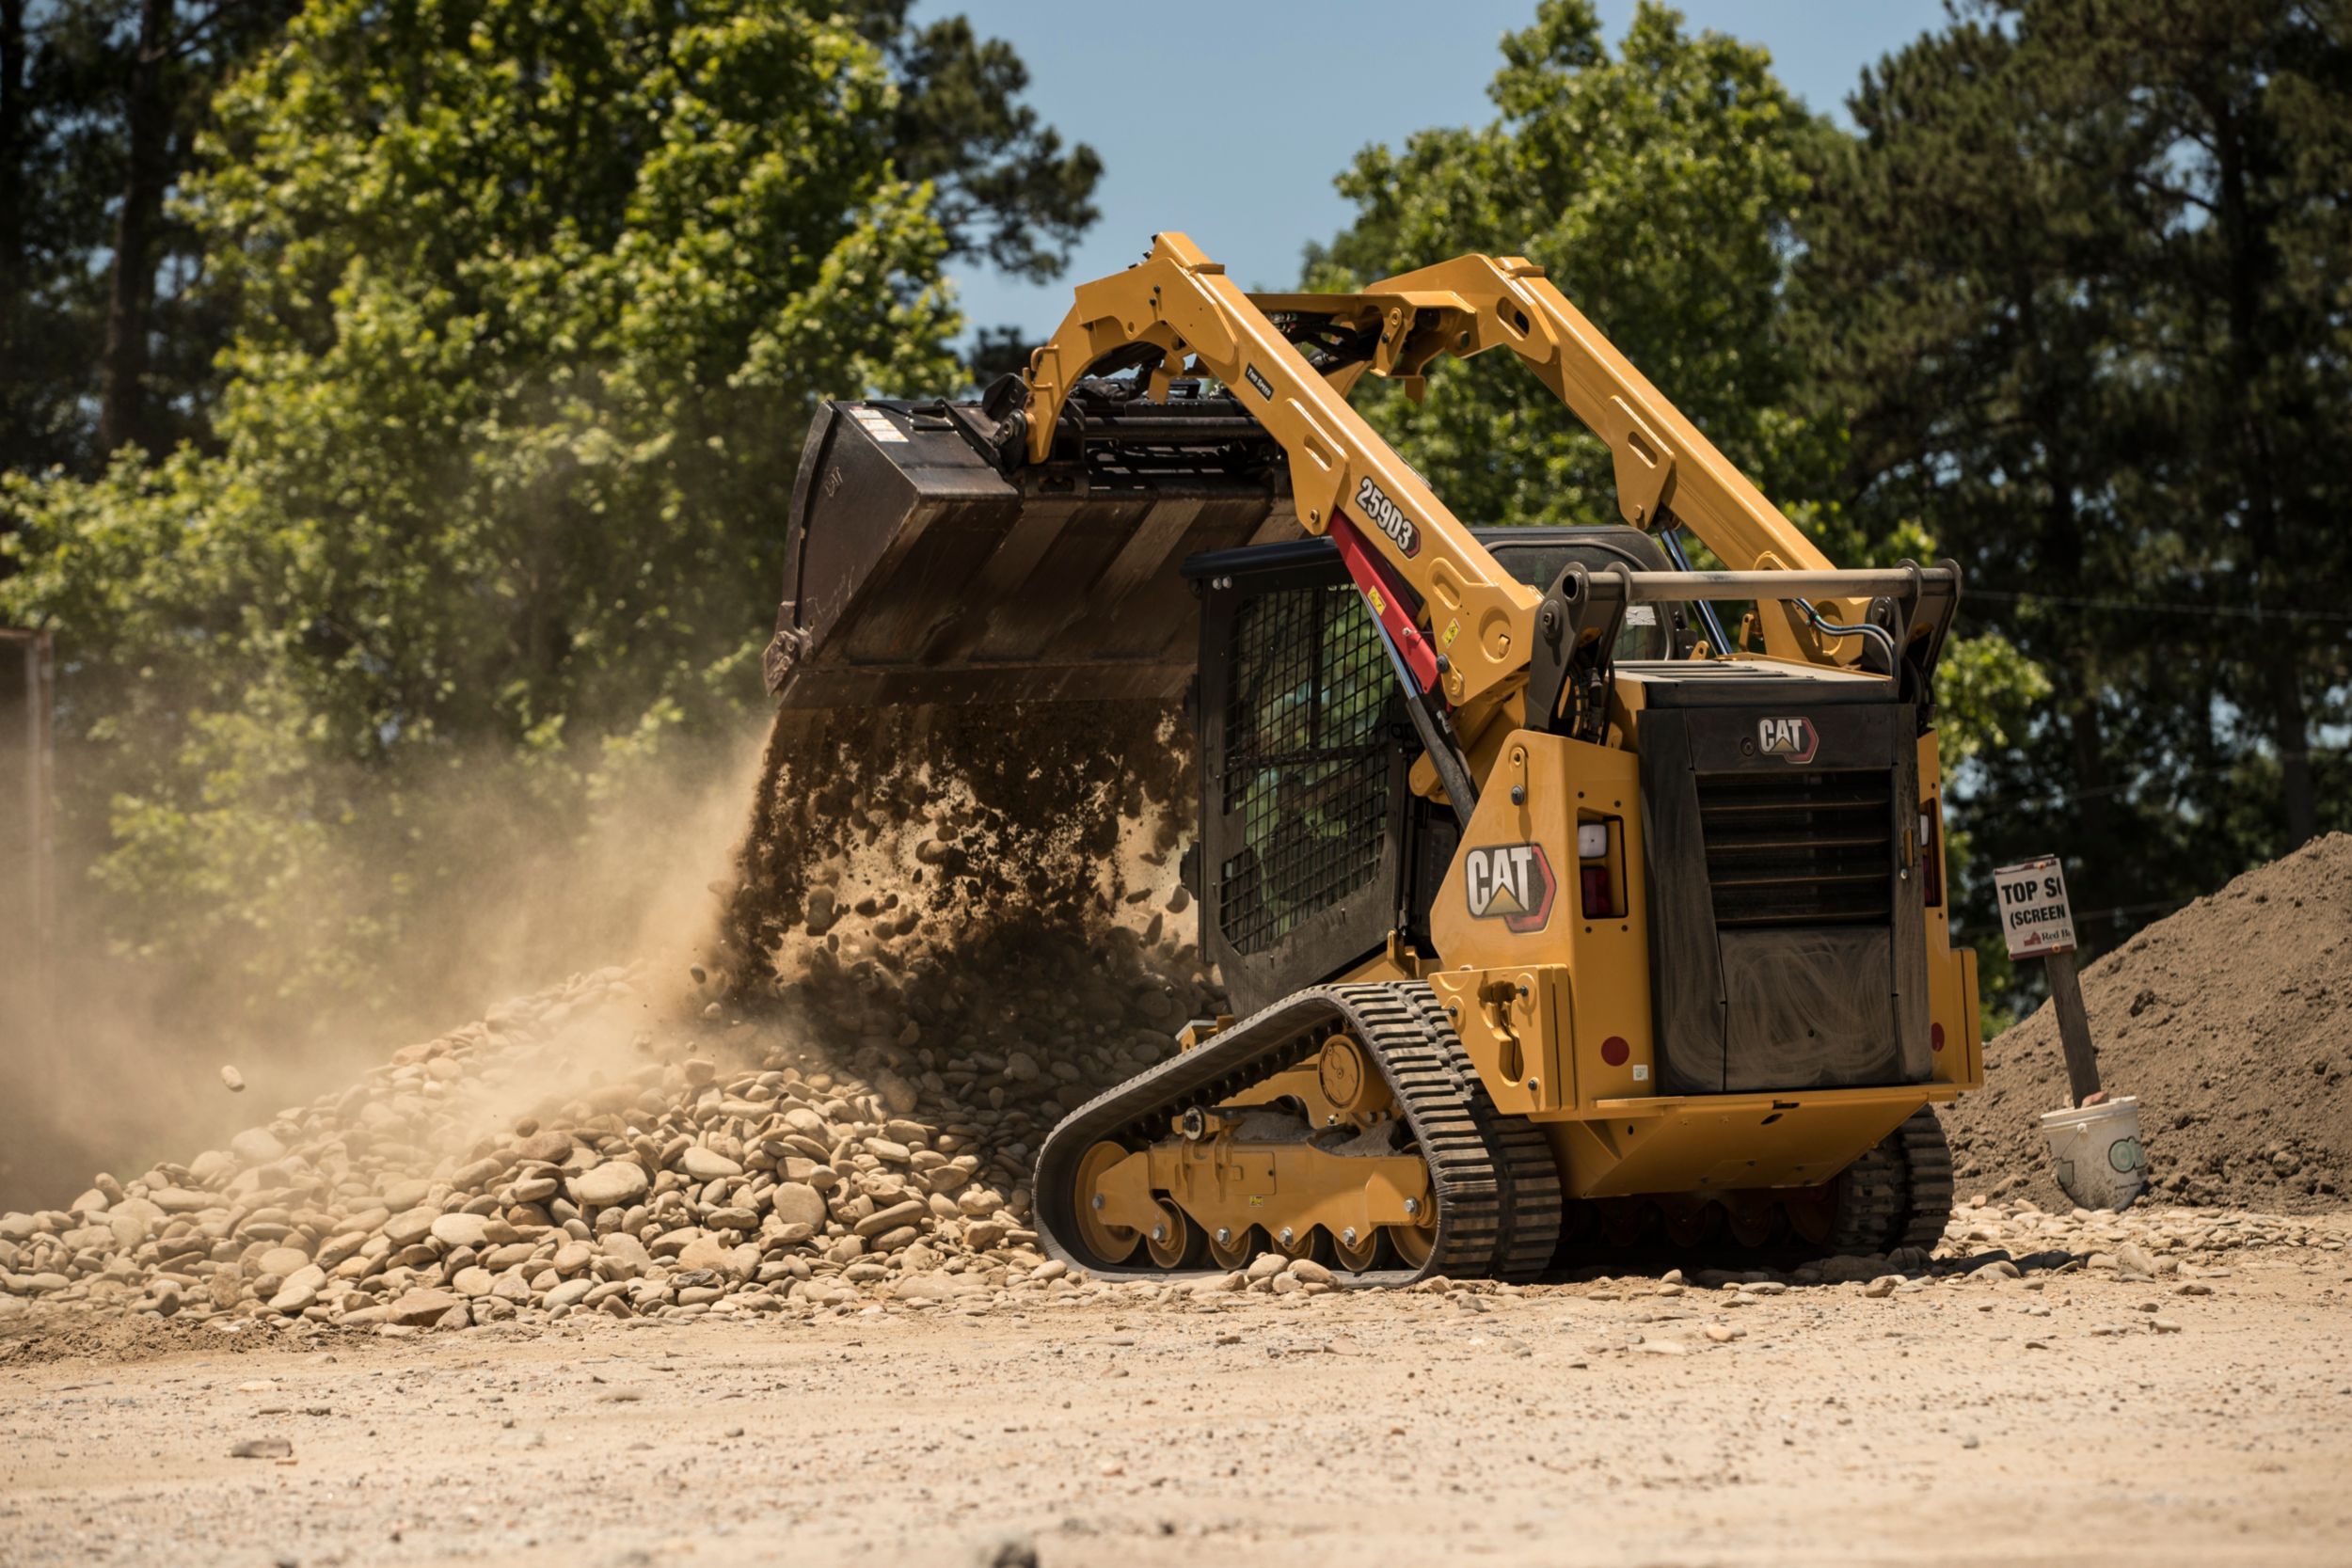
1572, 900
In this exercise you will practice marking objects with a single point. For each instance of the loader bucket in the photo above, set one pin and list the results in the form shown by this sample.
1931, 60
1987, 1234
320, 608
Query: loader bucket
921, 567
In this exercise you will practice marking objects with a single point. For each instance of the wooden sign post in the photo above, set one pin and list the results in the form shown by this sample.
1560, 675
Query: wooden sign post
2036, 923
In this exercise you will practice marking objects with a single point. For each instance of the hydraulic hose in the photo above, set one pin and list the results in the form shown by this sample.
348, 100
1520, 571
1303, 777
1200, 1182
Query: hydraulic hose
1672, 539
1877, 634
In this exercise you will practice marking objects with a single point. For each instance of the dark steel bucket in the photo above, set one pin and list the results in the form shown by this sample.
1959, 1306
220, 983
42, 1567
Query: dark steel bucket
918, 569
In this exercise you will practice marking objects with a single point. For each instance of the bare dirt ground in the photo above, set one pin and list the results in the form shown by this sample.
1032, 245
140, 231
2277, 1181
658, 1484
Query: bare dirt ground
2076, 1413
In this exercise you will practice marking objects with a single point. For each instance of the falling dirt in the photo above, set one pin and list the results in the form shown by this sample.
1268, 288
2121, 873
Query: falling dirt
946, 828
2231, 1022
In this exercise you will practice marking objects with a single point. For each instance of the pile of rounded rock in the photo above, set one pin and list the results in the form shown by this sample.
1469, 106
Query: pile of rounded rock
589, 1150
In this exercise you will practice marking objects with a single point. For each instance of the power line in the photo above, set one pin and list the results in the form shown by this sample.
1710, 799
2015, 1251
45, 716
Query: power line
2252, 612
2090, 790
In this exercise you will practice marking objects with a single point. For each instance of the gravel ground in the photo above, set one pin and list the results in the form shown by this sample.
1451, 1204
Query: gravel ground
2165, 1385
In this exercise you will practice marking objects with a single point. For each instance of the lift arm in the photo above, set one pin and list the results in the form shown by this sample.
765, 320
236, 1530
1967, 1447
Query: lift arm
1345, 481
1348, 483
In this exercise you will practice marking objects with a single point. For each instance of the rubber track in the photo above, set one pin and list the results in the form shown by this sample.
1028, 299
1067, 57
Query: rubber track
1497, 1190
1899, 1194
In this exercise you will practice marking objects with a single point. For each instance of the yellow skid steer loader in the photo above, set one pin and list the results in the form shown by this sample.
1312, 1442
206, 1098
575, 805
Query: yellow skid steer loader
1559, 919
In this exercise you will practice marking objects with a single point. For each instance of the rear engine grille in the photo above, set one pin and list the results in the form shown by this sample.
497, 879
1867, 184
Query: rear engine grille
1799, 848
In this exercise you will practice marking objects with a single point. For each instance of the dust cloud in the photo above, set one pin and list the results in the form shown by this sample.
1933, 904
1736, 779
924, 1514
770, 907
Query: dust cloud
125, 1068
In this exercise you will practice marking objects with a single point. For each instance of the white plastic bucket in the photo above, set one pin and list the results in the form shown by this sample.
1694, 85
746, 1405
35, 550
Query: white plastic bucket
2096, 1150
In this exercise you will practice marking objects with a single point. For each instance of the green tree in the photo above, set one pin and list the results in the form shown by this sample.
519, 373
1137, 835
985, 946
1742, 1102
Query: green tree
106, 335
533, 299
1656, 188
2080, 295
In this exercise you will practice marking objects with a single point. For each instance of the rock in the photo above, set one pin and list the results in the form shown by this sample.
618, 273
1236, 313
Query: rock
796, 1203
704, 1164
281, 1261
337, 1247
1309, 1271
2133, 1259
625, 1248
613, 1183
256, 1146
399, 1196
262, 1447
410, 1225
232, 1079
570, 1293
897, 1093
473, 1282
1265, 1266
709, 1253
181, 1200
935, 1287
883, 1221
423, 1306
1882, 1285
545, 1148
300, 1290
457, 1230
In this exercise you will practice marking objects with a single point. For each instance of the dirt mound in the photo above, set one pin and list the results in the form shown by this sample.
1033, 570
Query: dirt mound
2232, 1020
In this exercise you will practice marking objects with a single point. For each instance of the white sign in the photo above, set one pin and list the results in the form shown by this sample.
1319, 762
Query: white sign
2035, 920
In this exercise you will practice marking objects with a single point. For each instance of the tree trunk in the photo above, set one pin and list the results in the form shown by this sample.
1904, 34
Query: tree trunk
2251, 258
131, 299
2290, 726
15, 122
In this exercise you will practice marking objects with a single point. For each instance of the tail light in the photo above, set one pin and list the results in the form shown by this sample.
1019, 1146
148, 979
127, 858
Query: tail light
1595, 882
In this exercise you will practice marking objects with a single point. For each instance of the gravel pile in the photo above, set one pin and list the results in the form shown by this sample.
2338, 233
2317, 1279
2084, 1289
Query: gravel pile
940, 938
870, 1138
2231, 1022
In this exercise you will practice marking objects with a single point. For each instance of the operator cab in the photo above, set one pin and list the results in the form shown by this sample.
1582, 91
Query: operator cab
1313, 849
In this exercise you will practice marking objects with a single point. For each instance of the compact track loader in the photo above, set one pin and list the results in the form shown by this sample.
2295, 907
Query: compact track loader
1563, 916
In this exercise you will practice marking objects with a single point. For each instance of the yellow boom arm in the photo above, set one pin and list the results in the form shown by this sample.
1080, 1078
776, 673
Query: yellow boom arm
1478, 618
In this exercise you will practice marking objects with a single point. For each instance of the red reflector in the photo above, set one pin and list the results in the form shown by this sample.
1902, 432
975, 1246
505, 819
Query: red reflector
1935, 1036
1615, 1050
1596, 881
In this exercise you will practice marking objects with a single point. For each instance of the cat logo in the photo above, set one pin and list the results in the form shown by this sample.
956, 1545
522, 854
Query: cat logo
1510, 882
1792, 740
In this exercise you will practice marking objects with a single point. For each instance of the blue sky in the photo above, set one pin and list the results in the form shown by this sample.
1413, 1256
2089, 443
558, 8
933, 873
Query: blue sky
1229, 120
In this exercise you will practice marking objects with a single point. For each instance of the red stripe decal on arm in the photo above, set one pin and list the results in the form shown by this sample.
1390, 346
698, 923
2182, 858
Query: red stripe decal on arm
1380, 591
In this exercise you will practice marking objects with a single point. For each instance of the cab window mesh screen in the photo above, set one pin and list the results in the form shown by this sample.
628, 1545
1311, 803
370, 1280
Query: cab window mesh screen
1305, 760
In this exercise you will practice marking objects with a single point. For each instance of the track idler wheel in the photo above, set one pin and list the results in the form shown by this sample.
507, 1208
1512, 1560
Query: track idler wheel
1109, 1242
1412, 1244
